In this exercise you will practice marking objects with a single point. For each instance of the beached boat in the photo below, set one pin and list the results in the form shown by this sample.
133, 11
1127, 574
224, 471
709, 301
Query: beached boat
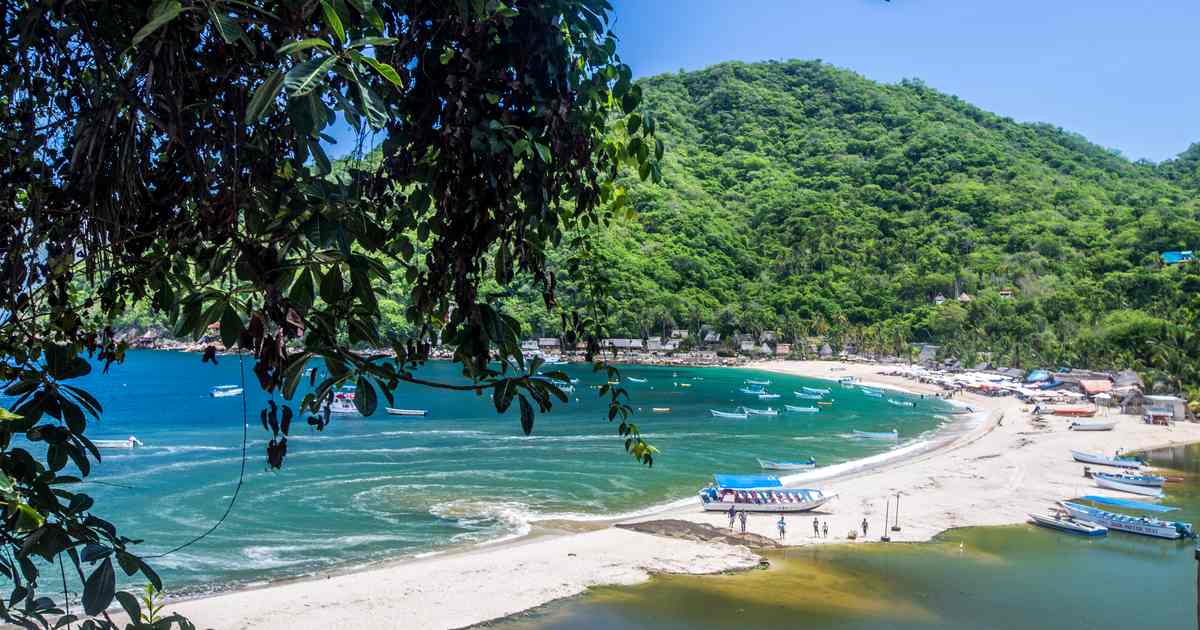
406, 412
1074, 412
760, 493
902, 403
129, 442
750, 381
1092, 425
1120, 486
773, 465
768, 396
873, 393
753, 391
1144, 525
343, 401
808, 396
816, 390
801, 409
1063, 521
738, 415
225, 391
633, 379
760, 412
1150, 481
894, 434
1101, 460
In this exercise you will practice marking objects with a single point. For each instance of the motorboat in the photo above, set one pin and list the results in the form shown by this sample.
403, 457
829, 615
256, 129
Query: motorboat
661, 409
129, 442
1144, 525
225, 391
733, 415
768, 396
808, 396
802, 409
1101, 460
753, 391
774, 465
1120, 486
760, 412
894, 434
406, 412
343, 401
873, 393
754, 382
634, 379
759, 493
1063, 521
816, 390
902, 403
1150, 481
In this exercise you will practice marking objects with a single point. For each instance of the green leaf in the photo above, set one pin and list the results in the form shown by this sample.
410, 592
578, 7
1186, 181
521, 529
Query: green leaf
543, 151
228, 27
264, 97
304, 44
150, 574
231, 327
526, 415
302, 291
162, 12
305, 77
99, 588
324, 167
332, 286
373, 106
372, 41
364, 397
130, 604
383, 69
334, 22
502, 395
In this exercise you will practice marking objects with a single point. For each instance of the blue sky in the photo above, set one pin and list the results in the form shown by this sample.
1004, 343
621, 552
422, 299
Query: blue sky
1123, 74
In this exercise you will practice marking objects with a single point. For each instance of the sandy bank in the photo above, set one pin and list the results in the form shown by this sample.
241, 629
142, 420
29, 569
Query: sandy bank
989, 471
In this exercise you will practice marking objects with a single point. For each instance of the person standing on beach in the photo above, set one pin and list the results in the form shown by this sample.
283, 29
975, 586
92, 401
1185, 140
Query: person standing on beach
732, 517
864, 524
826, 528
816, 527
743, 518
782, 528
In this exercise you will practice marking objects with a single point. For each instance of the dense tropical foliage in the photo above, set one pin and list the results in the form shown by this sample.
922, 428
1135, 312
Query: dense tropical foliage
168, 159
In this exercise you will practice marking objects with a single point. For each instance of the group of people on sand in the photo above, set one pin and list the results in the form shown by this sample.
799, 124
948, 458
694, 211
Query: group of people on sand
820, 530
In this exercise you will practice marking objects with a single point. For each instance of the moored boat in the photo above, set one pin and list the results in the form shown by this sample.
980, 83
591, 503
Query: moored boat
343, 401
1144, 525
801, 409
773, 465
847, 380
661, 409
739, 415
768, 396
633, 379
1120, 486
751, 381
894, 434
753, 391
873, 393
1150, 481
760, 493
406, 412
225, 391
816, 390
808, 396
1092, 425
1067, 523
1101, 460
129, 442
760, 412
902, 403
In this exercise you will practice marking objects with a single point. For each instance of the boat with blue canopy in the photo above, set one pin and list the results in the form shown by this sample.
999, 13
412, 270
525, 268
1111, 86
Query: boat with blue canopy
1144, 525
759, 493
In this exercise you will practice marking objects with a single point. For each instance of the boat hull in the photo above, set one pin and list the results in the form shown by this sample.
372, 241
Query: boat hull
1100, 460
802, 409
1119, 522
1083, 425
1070, 526
876, 436
773, 508
406, 412
726, 414
1146, 491
1150, 481
770, 465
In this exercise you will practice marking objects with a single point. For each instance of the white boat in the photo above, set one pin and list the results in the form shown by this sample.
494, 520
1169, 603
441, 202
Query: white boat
894, 434
129, 442
873, 393
847, 380
807, 396
802, 409
407, 412
1101, 460
1144, 525
815, 390
773, 465
754, 382
760, 412
768, 396
754, 493
1067, 523
1150, 481
1092, 425
633, 379
555, 361
225, 391
343, 401
902, 403
1120, 486
753, 391
726, 414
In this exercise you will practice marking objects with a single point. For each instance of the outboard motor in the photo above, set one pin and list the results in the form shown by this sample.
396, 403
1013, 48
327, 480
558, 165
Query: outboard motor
1185, 530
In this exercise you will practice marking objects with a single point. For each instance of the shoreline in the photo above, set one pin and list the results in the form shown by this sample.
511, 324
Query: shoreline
939, 480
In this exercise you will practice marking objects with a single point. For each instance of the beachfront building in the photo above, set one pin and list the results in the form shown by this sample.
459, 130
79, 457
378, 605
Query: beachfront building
529, 345
1165, 408
547, 343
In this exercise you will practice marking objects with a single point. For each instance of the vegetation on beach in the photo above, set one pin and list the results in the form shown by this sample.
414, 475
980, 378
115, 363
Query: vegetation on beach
168, 159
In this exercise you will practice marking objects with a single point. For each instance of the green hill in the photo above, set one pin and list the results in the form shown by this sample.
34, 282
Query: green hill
807, 199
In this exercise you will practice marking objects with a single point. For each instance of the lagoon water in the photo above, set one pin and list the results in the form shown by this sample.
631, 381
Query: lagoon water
996, 578
385, 486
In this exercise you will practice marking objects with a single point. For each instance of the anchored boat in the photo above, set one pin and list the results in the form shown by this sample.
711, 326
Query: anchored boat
225, 391
343, 401
816, 390
808, 396
902, 403
750, 381
406, 412
894, 434
633, 379
1063, 521
738, 415
802, 409
1144, 525
759, 493
753, 391
129, 442
768, 396
873, 393
773, 465
1101, 460
760, 412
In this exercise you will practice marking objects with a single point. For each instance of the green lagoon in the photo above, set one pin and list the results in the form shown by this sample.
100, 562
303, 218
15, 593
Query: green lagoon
1016, 577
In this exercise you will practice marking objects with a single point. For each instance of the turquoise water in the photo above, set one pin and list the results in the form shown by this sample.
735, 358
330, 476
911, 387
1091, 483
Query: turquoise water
999, 578
386, 486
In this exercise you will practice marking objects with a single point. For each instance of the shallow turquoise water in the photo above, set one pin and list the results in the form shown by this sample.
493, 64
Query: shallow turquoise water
384, 486
1000, 578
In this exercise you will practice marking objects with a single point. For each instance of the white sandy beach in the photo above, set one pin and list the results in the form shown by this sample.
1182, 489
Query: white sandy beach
991, 473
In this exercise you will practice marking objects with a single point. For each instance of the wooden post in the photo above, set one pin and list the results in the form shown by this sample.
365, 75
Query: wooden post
896, 527
1197, 551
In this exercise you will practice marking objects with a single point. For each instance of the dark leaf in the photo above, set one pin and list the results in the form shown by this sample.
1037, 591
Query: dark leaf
99, 588
130, 604
526, 415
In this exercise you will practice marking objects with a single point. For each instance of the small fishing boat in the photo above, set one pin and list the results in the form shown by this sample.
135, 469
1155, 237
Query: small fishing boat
873, 435
685, 384
773, 465
754, 382
825, 402
1063, 521
808, 396
768, 396
1150, 481
902, 403
873, 393
801, 409
738, 415
1074, 412
753, 391
661, 409
1144, 525
129, 442
847, 380
1092, 425
816, 390
1120, 486
343, 401
1101, 460
406, 412
555, 361
225, 391
633, 379
760, 493
760, 412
